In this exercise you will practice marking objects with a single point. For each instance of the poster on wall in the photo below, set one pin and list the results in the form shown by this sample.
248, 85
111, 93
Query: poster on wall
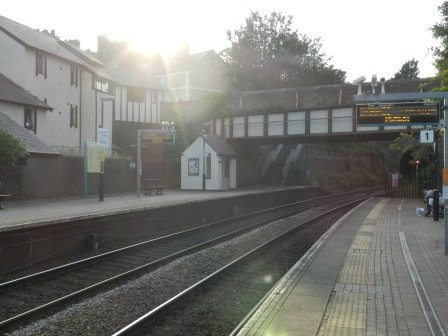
193, 167
395, 178
94, 156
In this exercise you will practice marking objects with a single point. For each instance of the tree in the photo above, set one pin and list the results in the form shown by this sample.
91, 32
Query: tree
11, 149
409, 70
268, 53
440, 31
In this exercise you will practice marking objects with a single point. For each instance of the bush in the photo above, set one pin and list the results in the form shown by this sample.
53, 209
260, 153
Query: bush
11, 149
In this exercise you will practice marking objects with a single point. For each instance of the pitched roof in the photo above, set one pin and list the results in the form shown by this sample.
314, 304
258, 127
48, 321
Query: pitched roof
219, 145
187, 61
87, 56
46, 42
11, 92
133, 76
32, 143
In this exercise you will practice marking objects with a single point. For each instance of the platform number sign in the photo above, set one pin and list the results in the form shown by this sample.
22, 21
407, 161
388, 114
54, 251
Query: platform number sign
427, 136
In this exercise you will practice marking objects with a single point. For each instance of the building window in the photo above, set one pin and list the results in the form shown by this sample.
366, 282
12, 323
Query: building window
208, 164
41, 63
30, 118
73, 116
136, 95
74, 75
102, 86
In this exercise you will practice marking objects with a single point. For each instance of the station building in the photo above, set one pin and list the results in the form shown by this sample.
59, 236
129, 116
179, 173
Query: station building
213, 156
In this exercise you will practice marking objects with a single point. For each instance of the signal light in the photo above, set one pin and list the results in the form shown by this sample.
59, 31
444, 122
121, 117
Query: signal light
417, 162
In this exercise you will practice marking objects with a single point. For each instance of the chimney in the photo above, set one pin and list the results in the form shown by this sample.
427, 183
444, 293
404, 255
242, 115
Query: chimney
53, 33
75, 43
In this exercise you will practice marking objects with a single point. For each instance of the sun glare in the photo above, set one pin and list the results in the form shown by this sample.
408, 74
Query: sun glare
164, 33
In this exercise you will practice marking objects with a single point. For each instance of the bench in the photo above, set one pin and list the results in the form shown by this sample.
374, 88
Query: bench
2, 197
153, 187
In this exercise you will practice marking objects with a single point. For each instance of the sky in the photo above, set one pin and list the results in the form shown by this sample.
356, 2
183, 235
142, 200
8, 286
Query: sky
361, 37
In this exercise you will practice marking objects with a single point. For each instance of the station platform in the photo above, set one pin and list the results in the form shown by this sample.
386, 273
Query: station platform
380, 270
18, 215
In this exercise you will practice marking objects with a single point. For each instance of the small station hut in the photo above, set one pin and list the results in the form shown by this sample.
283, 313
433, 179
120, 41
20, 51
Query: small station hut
214, 156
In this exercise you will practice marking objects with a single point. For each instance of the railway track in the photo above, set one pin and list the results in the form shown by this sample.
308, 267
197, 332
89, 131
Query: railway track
181, 314
46, 292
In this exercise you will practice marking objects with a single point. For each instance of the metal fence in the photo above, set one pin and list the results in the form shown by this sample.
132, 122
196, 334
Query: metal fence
412, 187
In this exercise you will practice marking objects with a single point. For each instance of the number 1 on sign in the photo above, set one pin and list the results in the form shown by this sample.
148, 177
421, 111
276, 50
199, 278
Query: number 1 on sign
426, 136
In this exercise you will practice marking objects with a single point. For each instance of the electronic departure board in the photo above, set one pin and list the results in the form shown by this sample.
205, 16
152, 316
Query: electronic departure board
158, 137
393, 114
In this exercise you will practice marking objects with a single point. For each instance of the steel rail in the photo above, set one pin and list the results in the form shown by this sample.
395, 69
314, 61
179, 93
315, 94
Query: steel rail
7, 323
62, 268
152, 315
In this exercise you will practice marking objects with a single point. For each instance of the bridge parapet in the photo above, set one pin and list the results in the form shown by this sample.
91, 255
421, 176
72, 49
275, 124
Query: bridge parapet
303, 115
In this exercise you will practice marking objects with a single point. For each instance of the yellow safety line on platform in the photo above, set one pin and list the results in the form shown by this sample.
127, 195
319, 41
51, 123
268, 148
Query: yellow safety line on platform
348, 309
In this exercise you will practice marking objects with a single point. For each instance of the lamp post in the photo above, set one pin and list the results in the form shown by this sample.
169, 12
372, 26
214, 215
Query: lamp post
203, 136
103, 154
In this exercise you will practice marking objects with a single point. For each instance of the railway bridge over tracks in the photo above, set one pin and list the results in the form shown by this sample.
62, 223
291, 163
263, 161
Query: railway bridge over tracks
305, 115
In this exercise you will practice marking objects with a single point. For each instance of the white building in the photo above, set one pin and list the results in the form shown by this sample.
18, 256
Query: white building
72, 85
21, 115
192, 76
214, 156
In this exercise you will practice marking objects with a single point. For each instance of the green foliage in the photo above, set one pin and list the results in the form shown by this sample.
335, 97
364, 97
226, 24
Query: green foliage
210, 106
403, 143
409, 142
11, 149
409, 70
440, 31
268, 53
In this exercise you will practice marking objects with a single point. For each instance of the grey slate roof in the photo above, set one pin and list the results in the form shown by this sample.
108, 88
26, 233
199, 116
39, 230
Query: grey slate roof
46, 42
83, 54
220, 145
32, 143
11, 92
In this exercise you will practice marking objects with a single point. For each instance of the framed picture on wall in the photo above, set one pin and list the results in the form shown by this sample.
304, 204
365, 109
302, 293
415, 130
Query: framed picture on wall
193, 167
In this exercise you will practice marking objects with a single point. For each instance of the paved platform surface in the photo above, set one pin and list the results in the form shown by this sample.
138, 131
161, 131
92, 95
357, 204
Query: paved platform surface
381, 270
16, 215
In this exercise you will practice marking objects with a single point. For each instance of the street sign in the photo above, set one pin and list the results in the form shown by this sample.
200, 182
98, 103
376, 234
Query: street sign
427, 136
397, 114
94, 156
395, 178
103, 137
157, 136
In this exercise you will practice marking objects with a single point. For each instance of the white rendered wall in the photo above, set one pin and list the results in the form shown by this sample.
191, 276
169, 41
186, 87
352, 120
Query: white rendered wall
19, 64
88, 126
59, 94
12, 59
342, 120
255, 125
296, 123
319, 121
17, 113
195, 150
14, 111
218, 126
